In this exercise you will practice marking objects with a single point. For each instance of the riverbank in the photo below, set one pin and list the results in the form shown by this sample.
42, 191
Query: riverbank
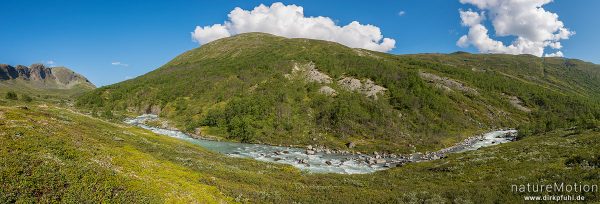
320, 159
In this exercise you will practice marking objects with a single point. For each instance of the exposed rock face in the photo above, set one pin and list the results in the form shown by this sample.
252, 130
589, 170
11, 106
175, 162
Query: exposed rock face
368, 88
152, 109
517, 103
350, 83
311, 74
446, 83
42, 77
363, 52
328, 91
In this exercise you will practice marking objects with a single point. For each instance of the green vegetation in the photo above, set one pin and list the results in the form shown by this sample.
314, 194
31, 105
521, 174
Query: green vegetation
236, 88
11, 95
51, 154
26, 98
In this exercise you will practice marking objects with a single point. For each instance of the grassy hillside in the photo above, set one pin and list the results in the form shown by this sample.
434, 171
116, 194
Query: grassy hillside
50, 154
243, 88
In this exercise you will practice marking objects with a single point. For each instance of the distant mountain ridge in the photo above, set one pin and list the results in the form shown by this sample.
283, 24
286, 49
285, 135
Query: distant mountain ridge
41, 77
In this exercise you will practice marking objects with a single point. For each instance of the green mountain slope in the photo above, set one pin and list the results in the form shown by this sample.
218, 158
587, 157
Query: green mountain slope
262, 88
51, 154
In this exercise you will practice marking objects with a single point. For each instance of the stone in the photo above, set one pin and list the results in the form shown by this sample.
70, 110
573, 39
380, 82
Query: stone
310, 152
380, 161
328, 91
350, 145
328, 162
118, 139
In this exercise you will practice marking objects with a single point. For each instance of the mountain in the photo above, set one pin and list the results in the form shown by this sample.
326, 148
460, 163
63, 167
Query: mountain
40, 79
261, 88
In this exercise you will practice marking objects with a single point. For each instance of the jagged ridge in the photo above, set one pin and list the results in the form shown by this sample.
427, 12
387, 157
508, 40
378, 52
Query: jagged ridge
39, 76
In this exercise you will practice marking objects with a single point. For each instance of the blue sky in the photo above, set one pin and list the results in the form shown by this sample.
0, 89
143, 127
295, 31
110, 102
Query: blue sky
88, 36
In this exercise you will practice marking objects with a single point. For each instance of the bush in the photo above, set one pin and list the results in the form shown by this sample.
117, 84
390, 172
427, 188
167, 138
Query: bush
26, 98
11, 95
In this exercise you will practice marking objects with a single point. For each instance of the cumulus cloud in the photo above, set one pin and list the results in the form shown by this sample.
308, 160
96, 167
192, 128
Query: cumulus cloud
119, 64
533, 27
50, 63
289, 21
401, 13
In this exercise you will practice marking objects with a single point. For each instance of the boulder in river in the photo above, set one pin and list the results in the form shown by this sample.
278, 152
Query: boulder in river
310, 152
328, 162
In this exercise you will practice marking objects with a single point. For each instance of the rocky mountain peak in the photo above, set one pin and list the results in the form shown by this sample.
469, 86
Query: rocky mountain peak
42, 76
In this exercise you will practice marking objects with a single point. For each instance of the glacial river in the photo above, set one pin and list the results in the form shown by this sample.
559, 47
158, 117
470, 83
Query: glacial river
321, 162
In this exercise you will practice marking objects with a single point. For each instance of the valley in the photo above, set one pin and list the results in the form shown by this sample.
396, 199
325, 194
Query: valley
319, 160
72, 157
258, 118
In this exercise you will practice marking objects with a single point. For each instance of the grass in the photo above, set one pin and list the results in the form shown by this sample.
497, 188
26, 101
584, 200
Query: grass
53, 154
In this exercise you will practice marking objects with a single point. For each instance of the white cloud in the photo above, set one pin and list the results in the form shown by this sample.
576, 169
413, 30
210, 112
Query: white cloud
556, 54
533, 27
50, 63
119, 64
207, 34
470, 18
401, 13
289, 21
